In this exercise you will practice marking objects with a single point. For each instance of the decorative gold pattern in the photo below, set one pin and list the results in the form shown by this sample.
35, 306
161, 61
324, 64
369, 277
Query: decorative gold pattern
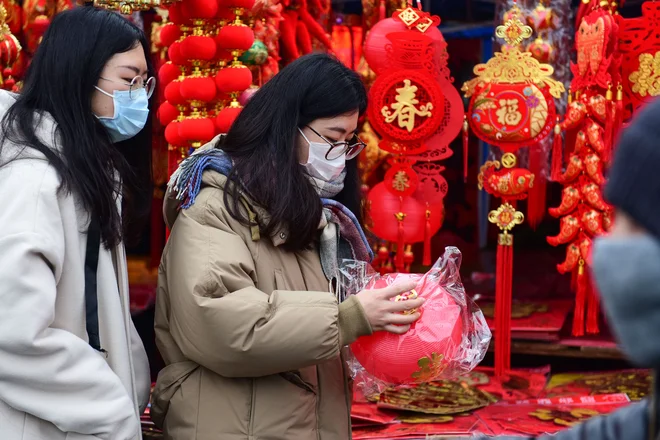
401, 181
564, 418
429, 367
512, 66
506, 217
513, 31
405, 108
406, 296
409, 16
509, 160
646, 80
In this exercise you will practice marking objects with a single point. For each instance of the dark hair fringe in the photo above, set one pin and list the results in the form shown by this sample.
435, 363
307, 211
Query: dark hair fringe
262, 145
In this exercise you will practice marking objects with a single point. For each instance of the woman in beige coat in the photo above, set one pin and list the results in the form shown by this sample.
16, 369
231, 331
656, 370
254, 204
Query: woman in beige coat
246, 318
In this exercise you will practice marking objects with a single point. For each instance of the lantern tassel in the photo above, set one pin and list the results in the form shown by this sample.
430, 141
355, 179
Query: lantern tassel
593, 309
536, 203
426, 259
580, 301
557, 154
466, 140
400, 246
504, 281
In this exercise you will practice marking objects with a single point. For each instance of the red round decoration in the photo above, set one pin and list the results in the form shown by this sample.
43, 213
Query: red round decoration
235, 37
198, 88
233, 79
199, 9
169, 34
173, 93
167, 113
226, 118
167, 73
175, 54
430, 346
197, 129
175, 13
172, 135
383, 207
401, 180
393, 114
198, 47
512, 116
242, 4
376, 41
432, 187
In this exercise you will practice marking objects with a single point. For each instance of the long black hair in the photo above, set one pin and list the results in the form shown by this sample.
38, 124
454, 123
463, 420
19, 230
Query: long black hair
60, 82
262, 144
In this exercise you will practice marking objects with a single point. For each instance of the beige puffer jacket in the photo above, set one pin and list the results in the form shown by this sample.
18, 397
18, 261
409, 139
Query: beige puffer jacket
250, 334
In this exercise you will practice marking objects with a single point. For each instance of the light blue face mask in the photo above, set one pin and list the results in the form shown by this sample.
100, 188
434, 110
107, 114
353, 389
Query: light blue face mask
130, 114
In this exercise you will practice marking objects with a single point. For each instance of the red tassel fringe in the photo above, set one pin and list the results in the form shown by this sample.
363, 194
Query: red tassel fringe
557, 154
504, 282
536, 203
593, 309
426, 259
466, 140
580, 301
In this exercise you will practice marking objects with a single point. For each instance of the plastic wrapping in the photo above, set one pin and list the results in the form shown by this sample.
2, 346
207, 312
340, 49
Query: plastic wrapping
449, 339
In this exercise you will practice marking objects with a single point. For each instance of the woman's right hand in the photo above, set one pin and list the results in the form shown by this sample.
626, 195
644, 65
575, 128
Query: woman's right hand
385, 314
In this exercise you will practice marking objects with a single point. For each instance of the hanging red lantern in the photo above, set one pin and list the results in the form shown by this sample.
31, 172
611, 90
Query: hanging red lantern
169, 34
198, 48
235, 78
167, 73
197, 130
235, 36
226, 117
198, 88
199, 9
376, 41
173, 93
172, 135
237, 4
175, 55
225, 15
167, 113
401, 219
175, 13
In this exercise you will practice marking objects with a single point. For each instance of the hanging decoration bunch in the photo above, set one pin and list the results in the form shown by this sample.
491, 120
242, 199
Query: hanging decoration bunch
10, 50
264, 56
416, 112
511, 106
204, 76
591, 124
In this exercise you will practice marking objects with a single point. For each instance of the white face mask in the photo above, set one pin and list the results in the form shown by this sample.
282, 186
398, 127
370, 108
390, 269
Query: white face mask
320, 167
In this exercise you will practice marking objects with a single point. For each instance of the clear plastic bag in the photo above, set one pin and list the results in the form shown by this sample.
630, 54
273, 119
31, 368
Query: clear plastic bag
450, 338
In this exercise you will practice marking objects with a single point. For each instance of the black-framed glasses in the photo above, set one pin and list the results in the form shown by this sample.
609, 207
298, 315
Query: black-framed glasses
350, 148
136, 84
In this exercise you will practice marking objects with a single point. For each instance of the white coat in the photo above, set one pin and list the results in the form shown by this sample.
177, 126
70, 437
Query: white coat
53, 384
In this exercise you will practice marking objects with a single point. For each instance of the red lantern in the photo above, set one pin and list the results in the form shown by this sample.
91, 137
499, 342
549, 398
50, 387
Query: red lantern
198, 48
167, 113
198, 88
173, 93
235, 37
172, 135
175, 13
376, 42
226, 118
432, 344
175, 54
197, 130
402, 219
169, 34
234, 4
235, 78
199, 9
167, 73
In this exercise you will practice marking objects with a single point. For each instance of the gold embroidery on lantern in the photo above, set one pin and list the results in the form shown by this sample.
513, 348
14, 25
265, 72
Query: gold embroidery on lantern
405, 108
429, 367
401, 181
646, 80
508, 113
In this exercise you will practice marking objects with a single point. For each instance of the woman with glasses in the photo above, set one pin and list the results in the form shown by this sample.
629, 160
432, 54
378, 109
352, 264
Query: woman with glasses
74, 168
249, 318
